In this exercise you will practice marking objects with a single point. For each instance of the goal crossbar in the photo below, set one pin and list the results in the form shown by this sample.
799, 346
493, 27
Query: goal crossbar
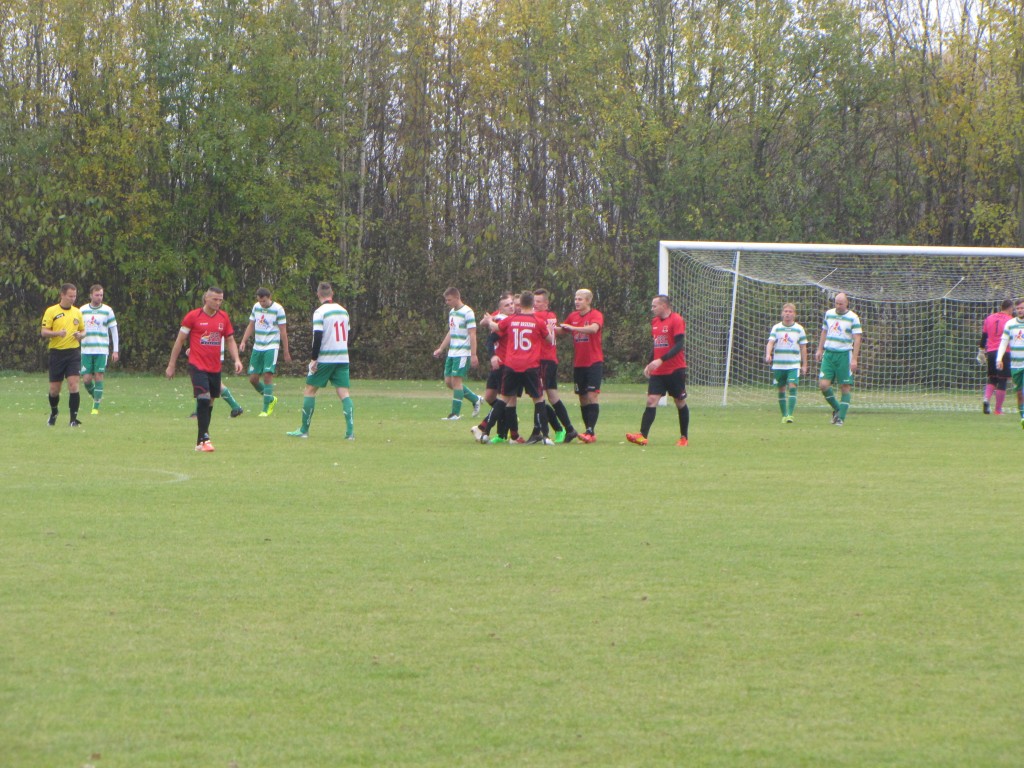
836, 248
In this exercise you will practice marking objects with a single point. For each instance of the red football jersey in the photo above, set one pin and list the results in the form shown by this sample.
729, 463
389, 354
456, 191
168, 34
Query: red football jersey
501, 343
548, 350
588, 345
205, 333
522, 336
664, 332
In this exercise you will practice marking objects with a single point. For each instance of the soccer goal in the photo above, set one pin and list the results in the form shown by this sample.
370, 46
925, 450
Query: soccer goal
921, 308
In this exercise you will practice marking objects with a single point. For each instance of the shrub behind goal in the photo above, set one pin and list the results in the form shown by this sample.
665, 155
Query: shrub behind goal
921, 307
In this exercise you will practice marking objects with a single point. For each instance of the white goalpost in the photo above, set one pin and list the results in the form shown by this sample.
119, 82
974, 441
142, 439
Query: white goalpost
922, 310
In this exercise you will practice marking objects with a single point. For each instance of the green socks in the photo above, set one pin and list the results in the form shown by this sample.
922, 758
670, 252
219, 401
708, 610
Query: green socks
844, 406
308, 404
350, 420
831, 397
226, 394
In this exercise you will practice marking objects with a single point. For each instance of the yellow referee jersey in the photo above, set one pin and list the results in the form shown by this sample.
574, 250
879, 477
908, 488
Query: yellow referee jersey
57, 318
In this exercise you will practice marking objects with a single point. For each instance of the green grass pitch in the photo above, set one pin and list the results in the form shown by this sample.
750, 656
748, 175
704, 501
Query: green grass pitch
773, 595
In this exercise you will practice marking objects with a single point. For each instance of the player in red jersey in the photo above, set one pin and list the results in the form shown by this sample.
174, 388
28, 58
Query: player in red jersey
586, 325
205, 328
666, 373
558, 416
490, 322
523, 333
495, 349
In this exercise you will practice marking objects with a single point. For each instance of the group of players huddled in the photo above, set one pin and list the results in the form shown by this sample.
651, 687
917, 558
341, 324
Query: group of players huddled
523, 360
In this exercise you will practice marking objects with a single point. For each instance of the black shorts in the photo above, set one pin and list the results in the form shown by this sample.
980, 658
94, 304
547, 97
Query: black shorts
494, 379
65, 363
995, 373
670, 384
204, 382
586, 380
514, 383
549, 373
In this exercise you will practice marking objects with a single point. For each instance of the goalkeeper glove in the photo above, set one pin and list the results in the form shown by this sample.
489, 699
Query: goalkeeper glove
982, 357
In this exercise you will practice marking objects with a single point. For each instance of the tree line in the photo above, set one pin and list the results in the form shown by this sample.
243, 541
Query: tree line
396, 147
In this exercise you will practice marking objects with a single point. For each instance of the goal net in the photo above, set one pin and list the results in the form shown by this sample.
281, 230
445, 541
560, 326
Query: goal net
921, 308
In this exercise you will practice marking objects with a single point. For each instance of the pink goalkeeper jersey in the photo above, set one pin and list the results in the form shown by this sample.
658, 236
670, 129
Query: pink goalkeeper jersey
993, 328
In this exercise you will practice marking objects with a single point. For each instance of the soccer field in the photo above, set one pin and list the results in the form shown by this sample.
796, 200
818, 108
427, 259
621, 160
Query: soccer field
773, 595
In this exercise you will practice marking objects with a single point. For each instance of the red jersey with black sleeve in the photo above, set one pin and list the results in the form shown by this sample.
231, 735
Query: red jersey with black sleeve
522, 336
548, 350
493, 340
205, 333
664, 332
588, 346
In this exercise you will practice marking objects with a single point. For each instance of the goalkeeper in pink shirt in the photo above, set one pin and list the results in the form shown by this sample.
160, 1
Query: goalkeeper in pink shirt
988, 347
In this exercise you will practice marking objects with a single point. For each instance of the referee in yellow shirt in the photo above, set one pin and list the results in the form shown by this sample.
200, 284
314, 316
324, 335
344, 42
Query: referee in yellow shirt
64, 326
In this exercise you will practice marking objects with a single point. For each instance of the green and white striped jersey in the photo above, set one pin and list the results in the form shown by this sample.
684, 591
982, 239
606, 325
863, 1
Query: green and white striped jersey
98, 323
788, 340
1013, 339
333, 320
840, 330
460, 322
267, 326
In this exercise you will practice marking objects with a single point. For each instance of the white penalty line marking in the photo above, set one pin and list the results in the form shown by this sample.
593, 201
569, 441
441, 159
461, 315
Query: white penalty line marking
171, 477
175, 477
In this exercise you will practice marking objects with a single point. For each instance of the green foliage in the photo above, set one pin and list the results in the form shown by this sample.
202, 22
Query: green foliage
396, 147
